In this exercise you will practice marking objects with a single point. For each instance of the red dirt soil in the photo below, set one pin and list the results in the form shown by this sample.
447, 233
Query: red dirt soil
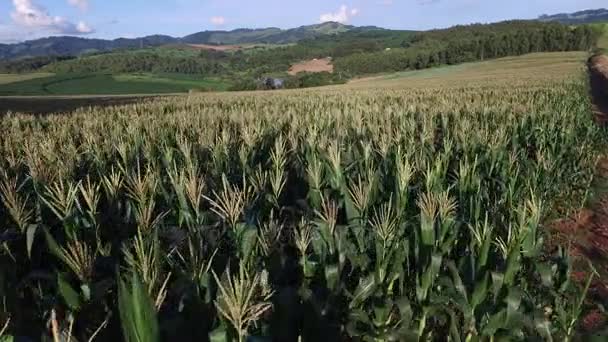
313, 65
587, 230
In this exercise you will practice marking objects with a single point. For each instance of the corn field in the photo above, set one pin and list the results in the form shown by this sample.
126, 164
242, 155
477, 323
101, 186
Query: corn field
351, 215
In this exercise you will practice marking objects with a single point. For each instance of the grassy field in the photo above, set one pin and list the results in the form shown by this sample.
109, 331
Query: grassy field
377, 211
511, 71
13, 78
105, 84
603, 41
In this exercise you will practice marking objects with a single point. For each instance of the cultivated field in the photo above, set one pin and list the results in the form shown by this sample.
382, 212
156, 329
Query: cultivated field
42, 105
400, 208
104, 84
525, 71
12, 78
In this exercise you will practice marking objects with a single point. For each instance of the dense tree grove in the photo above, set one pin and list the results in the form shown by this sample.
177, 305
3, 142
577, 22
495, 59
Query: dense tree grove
29, 64
140, 61
472, 43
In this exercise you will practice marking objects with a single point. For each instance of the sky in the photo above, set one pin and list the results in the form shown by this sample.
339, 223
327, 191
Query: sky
30, 19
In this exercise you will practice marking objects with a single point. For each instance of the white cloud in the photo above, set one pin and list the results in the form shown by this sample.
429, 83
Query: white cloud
218, 21
83, 27
82, 4
343, 15
30, 15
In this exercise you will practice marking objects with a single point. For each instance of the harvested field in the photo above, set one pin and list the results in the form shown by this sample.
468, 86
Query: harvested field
313, 65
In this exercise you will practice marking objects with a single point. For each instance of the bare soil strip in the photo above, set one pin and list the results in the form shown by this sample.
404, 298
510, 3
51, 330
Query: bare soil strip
313, 65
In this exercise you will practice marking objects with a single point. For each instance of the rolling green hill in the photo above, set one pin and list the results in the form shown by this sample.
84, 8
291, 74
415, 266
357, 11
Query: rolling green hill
352, 52
270, 35
73, 46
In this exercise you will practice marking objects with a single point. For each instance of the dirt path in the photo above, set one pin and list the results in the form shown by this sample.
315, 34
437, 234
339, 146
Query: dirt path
587, 231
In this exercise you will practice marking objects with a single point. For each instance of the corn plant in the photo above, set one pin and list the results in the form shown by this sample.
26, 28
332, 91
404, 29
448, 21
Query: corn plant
352, 214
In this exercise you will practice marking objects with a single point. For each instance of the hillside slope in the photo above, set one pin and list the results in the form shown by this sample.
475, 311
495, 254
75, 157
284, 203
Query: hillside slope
73, 46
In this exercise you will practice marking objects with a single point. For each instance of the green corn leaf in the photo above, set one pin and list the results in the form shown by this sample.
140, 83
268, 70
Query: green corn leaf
314, 198
480, 293
356, 319
405, 311
7, 338
513, 265
69, 295
484, 251
513, 301
381, 313
498, 280
247, 242
352, 214
458, 285
427, 230
219, 335
454, 324
428, 277
332, 276
54, 247
137, 312
365, 289
326, 239
495, 322
546, 273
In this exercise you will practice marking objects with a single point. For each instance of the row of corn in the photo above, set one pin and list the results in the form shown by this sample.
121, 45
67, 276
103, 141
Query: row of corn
349, 215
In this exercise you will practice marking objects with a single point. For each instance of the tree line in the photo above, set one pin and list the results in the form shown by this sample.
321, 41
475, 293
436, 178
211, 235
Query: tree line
29, 64
139, 61
472, 43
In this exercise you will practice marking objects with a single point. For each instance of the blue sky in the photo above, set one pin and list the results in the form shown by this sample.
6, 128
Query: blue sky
30, 19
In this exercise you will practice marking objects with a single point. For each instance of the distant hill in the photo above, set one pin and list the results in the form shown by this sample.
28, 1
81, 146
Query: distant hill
61, 46
71, 46
582, 17
271, 35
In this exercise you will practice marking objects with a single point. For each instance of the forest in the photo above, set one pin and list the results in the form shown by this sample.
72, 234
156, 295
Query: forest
472, 43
